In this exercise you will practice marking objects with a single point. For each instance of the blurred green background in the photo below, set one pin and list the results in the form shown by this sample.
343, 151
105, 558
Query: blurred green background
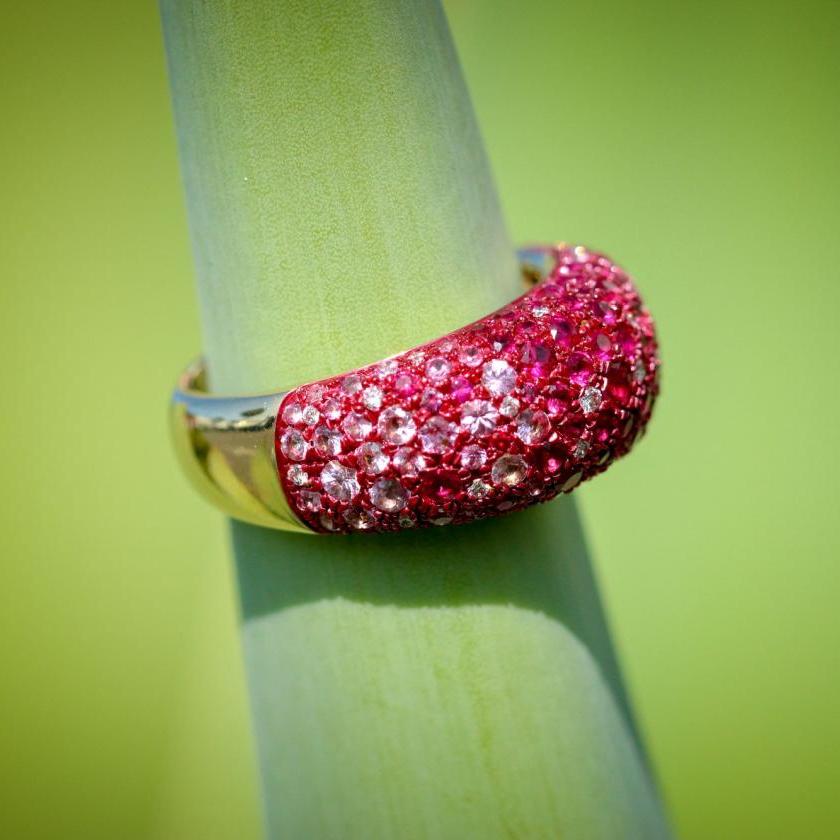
699, 143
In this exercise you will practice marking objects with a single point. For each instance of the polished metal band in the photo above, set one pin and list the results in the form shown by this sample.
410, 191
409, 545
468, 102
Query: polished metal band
226, 448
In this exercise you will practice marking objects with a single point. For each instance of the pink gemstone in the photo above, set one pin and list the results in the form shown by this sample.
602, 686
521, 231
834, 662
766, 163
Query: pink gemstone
461, 389
555, 405
406, 384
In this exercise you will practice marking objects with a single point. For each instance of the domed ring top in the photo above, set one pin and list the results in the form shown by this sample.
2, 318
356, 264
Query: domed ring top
508, 411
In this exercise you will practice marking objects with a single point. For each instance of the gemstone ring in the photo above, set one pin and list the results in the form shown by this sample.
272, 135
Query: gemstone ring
508, 411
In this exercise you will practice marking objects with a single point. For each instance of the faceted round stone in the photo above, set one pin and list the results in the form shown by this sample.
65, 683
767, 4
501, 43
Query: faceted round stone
331, 409
498, 377
310, 500
479, 417
339, 482
359, 519
297, 475
604, 343
471, 356
294, 445
310, 415
478, 489
372, 397
409, 461
351, 384
461, 389
405, 384
292, 414
509, 470
436, 435
356, 426
535, 352
327, 441
388, 495
578, 367
532, 426
406, 520
509, 406
371, 458
562, 330
473, 457
396, 426
581, 448
316, 393
590, 399
437, 368
387, 368
431, 399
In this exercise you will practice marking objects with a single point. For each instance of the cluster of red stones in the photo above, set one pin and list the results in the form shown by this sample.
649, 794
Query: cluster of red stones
508, 411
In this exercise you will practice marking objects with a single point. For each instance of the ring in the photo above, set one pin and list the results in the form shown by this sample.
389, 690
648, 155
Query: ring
508, 411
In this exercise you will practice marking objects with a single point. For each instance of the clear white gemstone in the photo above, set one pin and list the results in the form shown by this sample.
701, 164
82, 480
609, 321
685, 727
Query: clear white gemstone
471, 356
356, 426
371, 458
293, 414
603, 342
437, 368
340, 483
639, 371
406, 520
310, 415
327, 441
388, 495
441, 520
509, 470
479, 417
372, 397
498, 377
297, 475
431, 399
310, 500
387, 368
409, 461
293, 445
351, 384
359, 519
396, 426
532, 426
539, 311
331, 409
473, 457
509, 406
581, 448
436, 435
478, 489
590, 399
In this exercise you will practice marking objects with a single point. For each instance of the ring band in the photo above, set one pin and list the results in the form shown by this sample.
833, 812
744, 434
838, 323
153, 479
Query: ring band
503, 413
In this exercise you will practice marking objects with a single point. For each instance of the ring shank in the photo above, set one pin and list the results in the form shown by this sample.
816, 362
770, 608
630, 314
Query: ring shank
226, 447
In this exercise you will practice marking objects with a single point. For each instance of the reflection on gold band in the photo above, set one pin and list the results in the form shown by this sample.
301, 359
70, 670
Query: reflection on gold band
226, 448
